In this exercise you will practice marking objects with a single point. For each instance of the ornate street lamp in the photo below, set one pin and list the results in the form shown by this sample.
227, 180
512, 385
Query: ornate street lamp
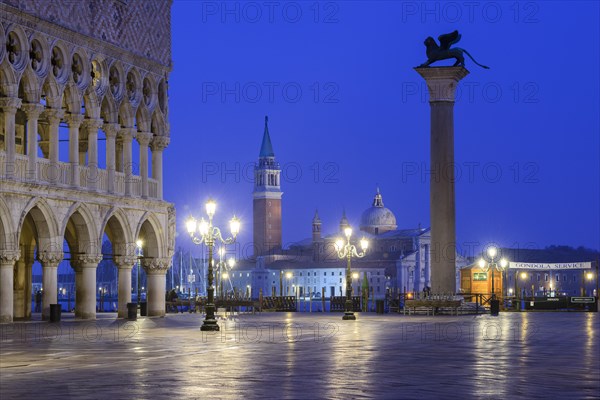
205, 232
492, 252
138, 246
348, 250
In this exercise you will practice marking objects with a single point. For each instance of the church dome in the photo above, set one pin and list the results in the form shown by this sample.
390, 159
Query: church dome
377, 219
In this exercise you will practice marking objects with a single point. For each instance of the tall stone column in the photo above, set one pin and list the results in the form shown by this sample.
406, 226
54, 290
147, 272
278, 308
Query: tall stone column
78, 284
86, 291
156, 271
127, 135
119, 154
111, 131
7, 265
442, 83
159, 143
54, 116
124, 265
144, 139
91, 127
74, 121
32, 113
50, 261
9, 107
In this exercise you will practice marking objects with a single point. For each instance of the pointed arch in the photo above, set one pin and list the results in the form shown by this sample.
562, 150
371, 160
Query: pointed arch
126, 115
45, 224
72, 100
158, 124
150, 231
108, 110
29, 87
79, 228
142, 119
9, 85
117, 227
7, 231
91, 102
53, 92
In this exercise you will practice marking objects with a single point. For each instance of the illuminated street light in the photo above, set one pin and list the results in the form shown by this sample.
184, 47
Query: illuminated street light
205, 232
492, 265
348, 250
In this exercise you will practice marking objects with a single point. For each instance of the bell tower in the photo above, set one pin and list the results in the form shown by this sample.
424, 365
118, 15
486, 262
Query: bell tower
267, 199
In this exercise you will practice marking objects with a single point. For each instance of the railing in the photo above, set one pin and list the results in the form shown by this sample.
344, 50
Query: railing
59, 174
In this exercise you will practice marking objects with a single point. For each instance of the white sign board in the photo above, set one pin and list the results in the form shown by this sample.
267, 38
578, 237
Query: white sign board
547, 266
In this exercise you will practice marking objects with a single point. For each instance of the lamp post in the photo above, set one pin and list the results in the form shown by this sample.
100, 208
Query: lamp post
288, 276
522, 295
492, 252
354, 279
589, 276
205, 232
138, 246
348, 250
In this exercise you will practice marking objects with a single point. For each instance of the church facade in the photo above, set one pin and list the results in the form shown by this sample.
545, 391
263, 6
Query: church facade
81, 89
398, 260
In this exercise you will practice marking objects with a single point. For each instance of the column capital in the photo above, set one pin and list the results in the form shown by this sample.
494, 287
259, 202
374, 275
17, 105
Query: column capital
74, 120
10, 104
155, 266
144, 138
54, 115
111, 130
86, 260
125, 262
92, 123
9, 256
442, 81
32, 110
50, 258
160, 143
127, 133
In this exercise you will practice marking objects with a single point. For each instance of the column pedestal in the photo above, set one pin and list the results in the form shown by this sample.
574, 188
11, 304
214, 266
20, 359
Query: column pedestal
442, 83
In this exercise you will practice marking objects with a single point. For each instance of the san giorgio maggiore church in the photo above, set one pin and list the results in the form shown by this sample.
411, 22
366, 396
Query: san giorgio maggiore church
397, 259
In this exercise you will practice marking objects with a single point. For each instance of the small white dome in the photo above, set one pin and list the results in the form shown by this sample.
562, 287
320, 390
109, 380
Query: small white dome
377, 219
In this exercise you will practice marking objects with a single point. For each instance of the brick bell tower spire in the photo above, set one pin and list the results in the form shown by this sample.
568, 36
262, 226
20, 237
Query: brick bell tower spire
267, 199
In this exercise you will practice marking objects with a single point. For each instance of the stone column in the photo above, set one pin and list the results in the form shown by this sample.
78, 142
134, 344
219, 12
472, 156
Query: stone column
442, 83
86, 290
50, 261
159, 143
54, 116
119, 154
7, 265
111, 131
74, 121
127, 135
78, 284
144, 139
91, 127
156, 270
9, 107
32, 113
125, 265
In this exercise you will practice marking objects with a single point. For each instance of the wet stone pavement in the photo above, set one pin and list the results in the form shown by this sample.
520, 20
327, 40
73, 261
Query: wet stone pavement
304, 356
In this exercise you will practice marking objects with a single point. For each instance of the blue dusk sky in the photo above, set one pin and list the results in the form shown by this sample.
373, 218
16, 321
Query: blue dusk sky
348, 113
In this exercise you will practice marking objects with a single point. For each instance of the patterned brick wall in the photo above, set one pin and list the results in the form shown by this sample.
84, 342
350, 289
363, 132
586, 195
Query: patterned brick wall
142, 27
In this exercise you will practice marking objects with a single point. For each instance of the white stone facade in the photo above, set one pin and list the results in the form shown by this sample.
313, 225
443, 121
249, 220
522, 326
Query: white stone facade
53, 78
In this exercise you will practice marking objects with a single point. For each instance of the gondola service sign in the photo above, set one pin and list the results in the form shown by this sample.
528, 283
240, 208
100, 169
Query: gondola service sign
549, 266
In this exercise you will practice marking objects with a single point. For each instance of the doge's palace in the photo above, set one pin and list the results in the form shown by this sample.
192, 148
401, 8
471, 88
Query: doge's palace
83, 128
